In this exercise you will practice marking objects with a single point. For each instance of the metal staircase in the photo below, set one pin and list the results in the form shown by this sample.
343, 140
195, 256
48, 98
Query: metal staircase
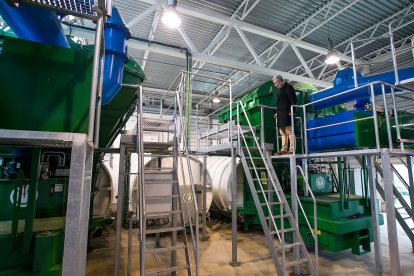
159, 208
275, 215
403, 210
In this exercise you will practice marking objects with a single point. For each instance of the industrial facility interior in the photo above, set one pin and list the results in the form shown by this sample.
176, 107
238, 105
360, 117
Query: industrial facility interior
149, 137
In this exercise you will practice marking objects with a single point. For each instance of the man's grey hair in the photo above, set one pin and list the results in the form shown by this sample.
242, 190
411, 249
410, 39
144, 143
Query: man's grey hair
278, 77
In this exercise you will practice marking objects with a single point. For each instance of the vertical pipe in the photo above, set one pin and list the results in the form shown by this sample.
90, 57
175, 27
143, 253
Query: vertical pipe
374, 214
305, 130
233, 186
390, 209
204, 238
354, 65
277, 135
121, 183
340, 183
397, 124
197, 142
94, 82
141, 184
129, 246
387, 118
99, 98
394, 57
374, 113
294, 203
262, 133
292, 122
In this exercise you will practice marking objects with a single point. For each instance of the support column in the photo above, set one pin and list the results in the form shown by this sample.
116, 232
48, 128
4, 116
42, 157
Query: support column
77, 211
294, 207
390, 209
120, 202
233, 208
204, 238
374, 214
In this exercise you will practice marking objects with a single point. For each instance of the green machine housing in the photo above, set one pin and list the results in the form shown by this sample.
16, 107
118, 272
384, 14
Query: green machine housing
46, 88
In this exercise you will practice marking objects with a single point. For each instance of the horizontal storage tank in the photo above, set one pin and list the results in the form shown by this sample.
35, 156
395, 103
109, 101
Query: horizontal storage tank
219, 169
102, 192
197, 173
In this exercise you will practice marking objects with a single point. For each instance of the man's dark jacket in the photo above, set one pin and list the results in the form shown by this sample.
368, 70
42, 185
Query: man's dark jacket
285, 99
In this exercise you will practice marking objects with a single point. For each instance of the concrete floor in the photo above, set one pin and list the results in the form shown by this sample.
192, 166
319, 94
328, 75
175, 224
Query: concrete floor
215, 255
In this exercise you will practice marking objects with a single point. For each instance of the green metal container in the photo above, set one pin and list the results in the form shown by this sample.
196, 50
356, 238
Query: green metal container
47, 88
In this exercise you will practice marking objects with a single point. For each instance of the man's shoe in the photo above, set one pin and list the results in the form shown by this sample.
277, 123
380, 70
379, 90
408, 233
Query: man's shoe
282, 152
289, 152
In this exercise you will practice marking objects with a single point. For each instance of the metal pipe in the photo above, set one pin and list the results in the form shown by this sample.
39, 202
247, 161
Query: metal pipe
100, 83
262, 133
233, 184
341, 123
374, 110
394, 57
292, 121
397, 124
354, 65
374, 212
141, 189
94, 82
204, 238
387, 118
305, 130
315, 218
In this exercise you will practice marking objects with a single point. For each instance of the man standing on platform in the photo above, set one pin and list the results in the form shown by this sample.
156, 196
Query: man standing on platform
285, 99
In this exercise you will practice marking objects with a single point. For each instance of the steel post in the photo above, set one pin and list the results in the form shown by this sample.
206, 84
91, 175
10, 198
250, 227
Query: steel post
204, 238
374, 214
118, 230
77, 211
390, 209
294, 206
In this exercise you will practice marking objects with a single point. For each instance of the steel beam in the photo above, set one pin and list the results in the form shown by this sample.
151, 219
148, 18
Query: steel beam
225, 20
224, 62
143, 14
248, 45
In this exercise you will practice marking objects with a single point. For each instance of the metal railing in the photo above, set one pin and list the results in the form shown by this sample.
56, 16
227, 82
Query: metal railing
370, 86
313, 230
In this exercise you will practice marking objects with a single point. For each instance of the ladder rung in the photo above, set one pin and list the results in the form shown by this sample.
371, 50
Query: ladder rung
265, 191
163, 230
161, 197
161, 213
165, 249
287, 246
167, 270
260, 168
398, 208
296, 262
271, 203
278, 216
407, 217
284, 231
256, 179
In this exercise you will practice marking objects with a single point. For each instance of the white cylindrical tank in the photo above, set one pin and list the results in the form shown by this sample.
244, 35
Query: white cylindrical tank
219, 169
197, 173
103, 191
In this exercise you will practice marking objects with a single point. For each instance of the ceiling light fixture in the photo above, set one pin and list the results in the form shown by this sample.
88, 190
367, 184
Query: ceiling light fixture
170, 17
332, 56
215, 99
